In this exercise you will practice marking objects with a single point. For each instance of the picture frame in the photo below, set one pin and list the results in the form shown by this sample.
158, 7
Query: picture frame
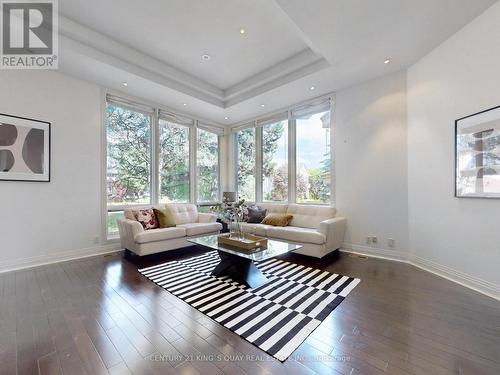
25, 149
477, 155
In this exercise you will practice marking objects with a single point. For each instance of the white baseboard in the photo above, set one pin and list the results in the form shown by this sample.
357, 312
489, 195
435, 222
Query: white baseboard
472, 282
459, 277
40, 260
374, 252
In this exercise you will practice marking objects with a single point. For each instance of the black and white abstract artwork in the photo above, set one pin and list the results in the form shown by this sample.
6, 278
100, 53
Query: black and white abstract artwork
24, 149
477, 155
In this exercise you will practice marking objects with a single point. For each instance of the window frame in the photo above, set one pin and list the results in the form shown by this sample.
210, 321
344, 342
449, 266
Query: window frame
292, 151
331, 145
190, 130
156, 112
287, 127
219, 159
236, 159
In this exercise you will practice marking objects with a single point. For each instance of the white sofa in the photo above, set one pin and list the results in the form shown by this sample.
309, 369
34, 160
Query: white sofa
189, 223
314, 227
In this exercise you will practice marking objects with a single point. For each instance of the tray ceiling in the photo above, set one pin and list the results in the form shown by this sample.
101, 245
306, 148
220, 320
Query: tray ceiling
288, 46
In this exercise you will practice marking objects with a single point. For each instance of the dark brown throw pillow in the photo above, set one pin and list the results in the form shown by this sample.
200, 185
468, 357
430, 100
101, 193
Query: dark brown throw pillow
256, 214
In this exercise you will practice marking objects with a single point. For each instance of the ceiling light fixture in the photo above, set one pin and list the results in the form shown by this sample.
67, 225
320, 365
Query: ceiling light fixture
312, 88
206, 57
387, 61
125, 84
184, 104
226, 118
242, 31
262, 105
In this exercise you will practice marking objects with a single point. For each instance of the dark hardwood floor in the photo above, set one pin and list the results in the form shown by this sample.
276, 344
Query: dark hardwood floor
99, 315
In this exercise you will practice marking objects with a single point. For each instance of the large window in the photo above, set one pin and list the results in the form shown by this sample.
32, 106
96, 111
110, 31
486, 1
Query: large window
174, 162
128, 156
207, 166
313, 160
245, 148
275, 162
269, 170
150, 159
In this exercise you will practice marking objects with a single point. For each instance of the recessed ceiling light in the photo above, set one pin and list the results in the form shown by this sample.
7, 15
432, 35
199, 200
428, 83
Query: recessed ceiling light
125, 84
226, 118
206, 57
312, 88
262, 105
242, 31
387, 61
184, 104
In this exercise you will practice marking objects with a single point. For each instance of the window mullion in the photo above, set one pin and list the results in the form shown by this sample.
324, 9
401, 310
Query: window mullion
258, 164
333, 197
193, 178
220, 165
155, 161
292, 161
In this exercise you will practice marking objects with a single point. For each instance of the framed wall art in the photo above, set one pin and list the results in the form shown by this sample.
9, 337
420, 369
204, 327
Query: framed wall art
24, 149
477, 155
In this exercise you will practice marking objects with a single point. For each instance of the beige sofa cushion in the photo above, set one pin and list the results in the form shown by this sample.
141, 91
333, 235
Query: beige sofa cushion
309, 216
183, 213
194, 229
161, 234
296, 234
274, 208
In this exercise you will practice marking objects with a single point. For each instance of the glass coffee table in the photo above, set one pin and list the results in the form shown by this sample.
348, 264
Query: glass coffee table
239, 263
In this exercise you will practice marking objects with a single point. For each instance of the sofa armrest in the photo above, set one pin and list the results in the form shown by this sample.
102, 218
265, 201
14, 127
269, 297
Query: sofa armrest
128, 230
333, 229
206, 218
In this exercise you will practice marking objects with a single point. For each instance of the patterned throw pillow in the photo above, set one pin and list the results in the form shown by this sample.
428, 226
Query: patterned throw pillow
147, 218
278, 220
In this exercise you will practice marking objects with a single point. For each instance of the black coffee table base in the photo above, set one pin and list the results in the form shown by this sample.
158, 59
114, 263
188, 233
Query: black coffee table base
240, 269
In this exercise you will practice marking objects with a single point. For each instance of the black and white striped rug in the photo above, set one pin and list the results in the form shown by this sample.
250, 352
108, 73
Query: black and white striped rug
276, 317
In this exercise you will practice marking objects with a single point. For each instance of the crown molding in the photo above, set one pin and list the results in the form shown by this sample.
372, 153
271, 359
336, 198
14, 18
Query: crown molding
83, 41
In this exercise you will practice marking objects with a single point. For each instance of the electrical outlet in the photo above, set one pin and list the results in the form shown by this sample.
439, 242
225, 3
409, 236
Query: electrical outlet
368, 240
390, 242
374, 239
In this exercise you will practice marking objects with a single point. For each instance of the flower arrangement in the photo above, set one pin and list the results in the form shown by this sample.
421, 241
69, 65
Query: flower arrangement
232, 214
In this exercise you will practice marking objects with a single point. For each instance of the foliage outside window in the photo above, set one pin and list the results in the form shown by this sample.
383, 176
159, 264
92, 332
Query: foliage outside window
174, 162
131, 129
207, 166
128, 156
313, 160
245, 148
275, 162
112, 223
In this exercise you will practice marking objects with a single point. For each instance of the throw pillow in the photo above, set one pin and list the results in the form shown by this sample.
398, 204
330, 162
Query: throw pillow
165, 218
256, 214
147, 218
278, 220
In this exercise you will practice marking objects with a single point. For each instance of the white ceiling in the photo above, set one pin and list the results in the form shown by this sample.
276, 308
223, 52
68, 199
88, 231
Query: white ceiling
179, 32
289, 45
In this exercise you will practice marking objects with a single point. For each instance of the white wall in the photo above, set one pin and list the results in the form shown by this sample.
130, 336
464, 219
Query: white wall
46, 221
371, 164
460, 77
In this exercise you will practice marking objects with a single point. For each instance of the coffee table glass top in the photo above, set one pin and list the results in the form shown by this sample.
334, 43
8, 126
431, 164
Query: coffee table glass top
274, 248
